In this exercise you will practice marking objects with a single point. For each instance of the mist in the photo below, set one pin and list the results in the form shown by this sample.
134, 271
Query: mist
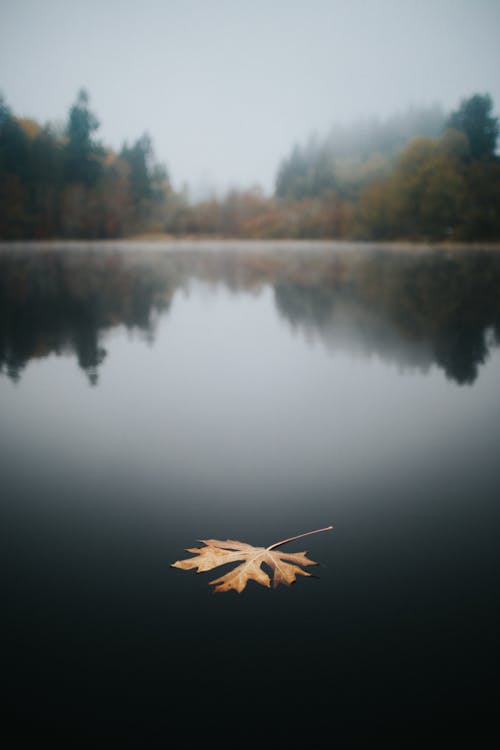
225, 89
249, 288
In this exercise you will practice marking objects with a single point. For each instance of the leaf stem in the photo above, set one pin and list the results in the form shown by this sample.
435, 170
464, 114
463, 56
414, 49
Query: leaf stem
292, 538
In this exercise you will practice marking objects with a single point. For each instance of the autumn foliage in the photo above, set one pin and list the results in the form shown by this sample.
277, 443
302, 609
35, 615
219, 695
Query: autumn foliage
284, 566
63, 183
419, 176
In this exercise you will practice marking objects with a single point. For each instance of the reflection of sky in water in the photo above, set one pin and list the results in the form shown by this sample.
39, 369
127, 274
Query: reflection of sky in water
413, 309
229, 396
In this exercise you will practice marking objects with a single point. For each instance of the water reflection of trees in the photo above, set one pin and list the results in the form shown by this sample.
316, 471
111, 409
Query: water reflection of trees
414, 309
57, 302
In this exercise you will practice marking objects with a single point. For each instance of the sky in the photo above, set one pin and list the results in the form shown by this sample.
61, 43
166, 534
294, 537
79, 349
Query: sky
225, 88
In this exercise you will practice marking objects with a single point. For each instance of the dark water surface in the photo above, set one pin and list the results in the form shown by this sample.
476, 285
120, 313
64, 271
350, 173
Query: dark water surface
152, 396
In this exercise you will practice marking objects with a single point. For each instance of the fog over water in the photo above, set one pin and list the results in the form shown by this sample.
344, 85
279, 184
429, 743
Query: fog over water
226, 88
154, 396
182, 361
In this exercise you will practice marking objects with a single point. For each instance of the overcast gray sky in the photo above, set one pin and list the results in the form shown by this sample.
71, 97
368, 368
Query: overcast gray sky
225, 87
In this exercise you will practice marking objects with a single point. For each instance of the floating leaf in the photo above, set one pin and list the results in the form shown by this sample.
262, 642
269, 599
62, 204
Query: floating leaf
285, 566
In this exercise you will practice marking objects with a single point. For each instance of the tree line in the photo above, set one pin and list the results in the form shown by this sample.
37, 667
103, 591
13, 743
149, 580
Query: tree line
65, 183
440, 188
421, 175
418, 176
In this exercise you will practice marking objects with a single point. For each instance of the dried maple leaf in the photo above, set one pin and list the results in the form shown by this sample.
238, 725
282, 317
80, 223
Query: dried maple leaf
285, 566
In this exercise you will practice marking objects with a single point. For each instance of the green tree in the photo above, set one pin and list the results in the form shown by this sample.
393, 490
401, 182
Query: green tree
481, 214
14, 147
148, 180
82, 152
474, 118
139, 158
46, 183
15, 221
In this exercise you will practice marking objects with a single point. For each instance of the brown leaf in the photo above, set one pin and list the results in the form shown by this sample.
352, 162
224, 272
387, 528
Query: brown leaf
285, 566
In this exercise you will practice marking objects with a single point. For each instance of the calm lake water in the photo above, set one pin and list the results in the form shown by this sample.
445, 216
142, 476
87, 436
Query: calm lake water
153, 395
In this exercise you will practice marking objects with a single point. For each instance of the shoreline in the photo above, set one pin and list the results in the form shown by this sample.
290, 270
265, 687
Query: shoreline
188, 242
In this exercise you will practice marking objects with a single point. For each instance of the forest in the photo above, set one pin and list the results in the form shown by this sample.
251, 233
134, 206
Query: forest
422, 175
66, 184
